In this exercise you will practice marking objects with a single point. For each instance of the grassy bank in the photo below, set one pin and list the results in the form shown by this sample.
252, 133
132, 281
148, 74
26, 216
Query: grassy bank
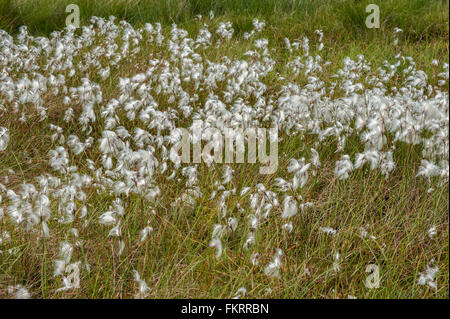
377, 220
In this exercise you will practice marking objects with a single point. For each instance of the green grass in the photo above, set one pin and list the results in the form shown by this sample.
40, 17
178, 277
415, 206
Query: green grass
176, 261
420, 19
424, 22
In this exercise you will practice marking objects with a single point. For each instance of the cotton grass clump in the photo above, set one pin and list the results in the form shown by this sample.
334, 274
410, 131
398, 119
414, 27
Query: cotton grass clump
133, 129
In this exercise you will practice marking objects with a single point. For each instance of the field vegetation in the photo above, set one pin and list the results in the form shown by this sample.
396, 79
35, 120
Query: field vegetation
88, 116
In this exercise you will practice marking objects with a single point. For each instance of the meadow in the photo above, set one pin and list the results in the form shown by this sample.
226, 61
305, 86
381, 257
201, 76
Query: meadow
95, 204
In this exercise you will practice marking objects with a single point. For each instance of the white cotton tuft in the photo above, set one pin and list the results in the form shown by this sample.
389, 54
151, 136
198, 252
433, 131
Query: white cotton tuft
289, 207
429, 276
145, 233
143, 288
4, 138
273, 269
217, 244
19, 292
